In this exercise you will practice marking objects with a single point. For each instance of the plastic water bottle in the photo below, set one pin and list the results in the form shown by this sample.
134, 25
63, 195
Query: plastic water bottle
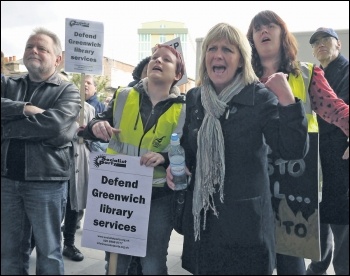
177, 163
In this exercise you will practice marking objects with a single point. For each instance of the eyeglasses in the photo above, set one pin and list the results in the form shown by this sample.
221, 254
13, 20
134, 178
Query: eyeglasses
323, 40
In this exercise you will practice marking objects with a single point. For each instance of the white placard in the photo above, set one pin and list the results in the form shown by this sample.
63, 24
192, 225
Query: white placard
118, 204
176, 43
84, 46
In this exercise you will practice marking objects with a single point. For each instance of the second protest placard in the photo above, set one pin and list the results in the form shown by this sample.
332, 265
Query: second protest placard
118, 204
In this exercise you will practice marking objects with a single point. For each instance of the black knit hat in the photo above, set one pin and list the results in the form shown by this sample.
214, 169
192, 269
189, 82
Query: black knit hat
136, 74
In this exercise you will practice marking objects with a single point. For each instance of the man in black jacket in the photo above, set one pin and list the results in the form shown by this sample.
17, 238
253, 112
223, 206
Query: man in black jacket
38, 114
334, 207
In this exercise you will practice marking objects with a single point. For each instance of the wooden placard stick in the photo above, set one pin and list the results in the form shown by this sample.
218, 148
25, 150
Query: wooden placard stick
82, 101
113, 262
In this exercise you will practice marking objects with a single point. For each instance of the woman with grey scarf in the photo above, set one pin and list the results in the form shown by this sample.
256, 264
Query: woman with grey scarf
231, 120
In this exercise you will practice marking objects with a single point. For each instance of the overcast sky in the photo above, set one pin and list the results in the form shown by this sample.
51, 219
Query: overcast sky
121, 20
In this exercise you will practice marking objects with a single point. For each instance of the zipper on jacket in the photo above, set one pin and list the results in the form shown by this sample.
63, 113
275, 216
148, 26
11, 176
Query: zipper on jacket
144, 133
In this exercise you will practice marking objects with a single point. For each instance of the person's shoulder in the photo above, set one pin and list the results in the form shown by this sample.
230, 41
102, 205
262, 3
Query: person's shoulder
125, 89
89, 111
17, 78
13, 82
102, 106
3, 79
193, 95
193, 91
134, 82
89, 106
256, 87
306, 64
317, 74
68, 86
99, 106
252, 92
306, 68
343, 59
260, 91
341, 63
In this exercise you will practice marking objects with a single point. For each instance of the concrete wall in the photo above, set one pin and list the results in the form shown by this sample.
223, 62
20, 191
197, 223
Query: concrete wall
305, 50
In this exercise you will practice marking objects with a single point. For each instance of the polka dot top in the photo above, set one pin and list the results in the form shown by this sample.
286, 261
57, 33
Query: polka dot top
325, 103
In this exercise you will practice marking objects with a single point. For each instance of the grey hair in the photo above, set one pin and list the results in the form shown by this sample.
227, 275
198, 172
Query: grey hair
235, 37
93, 79
56, 41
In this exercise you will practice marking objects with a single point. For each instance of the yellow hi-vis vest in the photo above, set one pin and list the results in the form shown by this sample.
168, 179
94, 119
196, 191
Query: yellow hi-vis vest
300, 87
132, 140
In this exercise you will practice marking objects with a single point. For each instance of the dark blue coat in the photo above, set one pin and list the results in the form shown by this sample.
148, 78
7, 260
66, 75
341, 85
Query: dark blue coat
334, 207
99, 106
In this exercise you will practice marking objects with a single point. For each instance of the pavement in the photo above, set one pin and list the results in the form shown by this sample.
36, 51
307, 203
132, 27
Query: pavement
94, 263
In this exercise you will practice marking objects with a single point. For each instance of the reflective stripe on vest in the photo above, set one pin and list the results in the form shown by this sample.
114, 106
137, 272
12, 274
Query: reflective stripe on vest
300, 87
132, 140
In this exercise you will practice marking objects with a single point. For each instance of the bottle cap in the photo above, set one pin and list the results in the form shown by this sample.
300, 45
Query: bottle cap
174, 139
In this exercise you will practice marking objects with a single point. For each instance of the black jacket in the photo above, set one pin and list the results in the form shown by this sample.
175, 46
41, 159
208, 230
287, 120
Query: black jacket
242, 239
47, 135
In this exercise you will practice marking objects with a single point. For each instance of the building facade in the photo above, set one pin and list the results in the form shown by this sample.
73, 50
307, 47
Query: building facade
158, 32
150, 34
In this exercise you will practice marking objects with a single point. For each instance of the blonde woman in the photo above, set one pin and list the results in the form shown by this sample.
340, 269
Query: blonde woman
230, 121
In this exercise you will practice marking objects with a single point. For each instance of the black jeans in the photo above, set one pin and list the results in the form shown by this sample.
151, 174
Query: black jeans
340, 250
290, 265
70, 223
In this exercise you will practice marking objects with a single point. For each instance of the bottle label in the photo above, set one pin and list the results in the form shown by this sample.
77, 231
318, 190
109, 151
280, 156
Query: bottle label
177, 163
177, 170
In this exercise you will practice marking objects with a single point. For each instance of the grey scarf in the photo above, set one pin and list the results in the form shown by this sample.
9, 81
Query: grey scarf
210, 170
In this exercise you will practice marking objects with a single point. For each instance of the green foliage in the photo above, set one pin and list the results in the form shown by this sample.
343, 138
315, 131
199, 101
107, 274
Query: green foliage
76, 79
101, 81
